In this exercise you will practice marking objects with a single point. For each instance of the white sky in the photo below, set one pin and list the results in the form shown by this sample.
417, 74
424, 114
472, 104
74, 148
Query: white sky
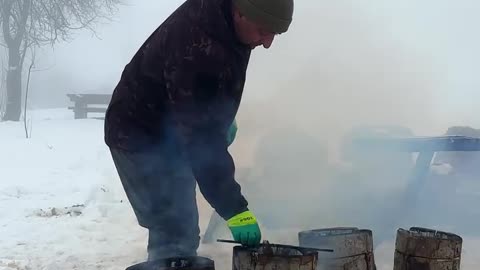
441, 35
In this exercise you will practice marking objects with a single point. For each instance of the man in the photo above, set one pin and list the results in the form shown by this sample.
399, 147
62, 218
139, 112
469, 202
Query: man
168, 121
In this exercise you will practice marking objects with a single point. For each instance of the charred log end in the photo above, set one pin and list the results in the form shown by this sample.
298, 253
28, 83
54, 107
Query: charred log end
176, 263
271, 256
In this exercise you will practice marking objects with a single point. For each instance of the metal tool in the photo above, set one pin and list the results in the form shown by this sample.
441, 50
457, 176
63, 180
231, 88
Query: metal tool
279, 245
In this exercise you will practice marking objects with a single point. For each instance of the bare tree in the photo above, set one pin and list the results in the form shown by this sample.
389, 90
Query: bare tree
34, 23
3, 87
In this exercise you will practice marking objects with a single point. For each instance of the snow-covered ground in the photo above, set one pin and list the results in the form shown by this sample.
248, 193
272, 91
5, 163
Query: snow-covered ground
62, 205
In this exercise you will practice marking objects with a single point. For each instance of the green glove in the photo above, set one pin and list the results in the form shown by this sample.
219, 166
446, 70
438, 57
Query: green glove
232, 132
245, 229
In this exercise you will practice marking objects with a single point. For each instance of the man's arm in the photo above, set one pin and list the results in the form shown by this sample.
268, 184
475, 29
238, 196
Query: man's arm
193, 71
204, 135
214, 169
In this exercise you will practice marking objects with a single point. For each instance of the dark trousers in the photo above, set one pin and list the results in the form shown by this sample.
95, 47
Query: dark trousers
161, 190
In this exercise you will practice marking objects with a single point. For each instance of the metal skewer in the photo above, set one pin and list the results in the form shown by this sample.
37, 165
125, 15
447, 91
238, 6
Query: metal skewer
279, 245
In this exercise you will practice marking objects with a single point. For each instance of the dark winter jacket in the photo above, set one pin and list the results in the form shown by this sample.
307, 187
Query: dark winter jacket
186, 80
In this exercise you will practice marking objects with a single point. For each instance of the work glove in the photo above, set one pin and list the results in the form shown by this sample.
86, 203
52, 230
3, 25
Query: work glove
232, 132
245, 229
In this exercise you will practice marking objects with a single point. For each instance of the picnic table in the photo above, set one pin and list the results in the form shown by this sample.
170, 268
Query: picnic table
88, 103
425, 147
407, 209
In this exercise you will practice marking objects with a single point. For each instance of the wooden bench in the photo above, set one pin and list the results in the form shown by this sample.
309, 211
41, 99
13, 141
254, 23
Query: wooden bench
83, 104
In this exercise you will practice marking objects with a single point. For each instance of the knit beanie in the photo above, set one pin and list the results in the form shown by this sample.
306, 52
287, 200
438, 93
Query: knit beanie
274, 15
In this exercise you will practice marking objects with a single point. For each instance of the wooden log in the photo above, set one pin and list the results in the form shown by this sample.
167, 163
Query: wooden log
426, 249
353, 248
272, 257
176, 263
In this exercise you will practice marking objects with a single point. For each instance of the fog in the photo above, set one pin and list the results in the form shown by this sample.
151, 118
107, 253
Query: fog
343, 64
414, 62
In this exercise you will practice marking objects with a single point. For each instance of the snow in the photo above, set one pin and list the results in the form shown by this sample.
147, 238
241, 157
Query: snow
62, 205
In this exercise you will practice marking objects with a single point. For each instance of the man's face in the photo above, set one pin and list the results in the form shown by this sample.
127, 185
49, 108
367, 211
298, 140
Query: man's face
251, 33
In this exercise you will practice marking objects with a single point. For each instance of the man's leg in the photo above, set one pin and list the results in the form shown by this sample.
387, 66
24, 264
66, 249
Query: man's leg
161, 189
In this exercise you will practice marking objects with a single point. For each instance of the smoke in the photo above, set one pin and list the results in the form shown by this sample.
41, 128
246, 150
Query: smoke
337, 73
336, 70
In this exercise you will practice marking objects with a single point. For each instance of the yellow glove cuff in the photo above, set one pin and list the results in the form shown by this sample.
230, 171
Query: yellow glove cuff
242, 219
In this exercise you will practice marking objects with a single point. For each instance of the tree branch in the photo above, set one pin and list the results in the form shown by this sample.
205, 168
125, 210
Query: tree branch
6, 13
27, 24
23, 53
32, 63
22, 23
44, 22
3, 92
54, 20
